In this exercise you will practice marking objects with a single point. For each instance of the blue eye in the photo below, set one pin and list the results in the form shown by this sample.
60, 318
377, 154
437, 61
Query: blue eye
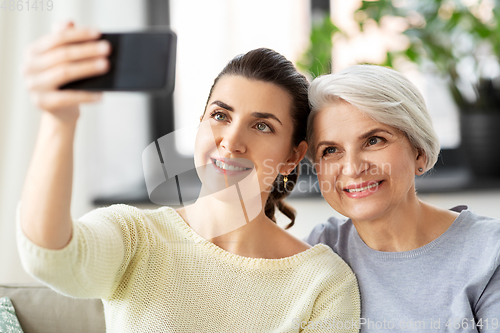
263, 127
219, 116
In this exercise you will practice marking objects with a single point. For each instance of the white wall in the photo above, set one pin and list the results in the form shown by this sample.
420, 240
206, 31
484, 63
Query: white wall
216, 31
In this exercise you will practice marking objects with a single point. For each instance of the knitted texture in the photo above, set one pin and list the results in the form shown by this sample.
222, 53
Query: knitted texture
155, 274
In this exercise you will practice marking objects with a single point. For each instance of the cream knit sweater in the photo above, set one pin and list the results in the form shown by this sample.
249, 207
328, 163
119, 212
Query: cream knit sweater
155, 274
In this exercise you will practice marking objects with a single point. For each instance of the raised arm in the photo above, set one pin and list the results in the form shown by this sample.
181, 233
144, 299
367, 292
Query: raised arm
63, 56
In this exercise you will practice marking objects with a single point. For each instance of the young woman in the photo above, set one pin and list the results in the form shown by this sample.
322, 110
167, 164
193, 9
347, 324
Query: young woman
420, 268
219, 265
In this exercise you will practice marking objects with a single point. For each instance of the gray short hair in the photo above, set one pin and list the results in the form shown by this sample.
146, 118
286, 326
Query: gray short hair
384, 95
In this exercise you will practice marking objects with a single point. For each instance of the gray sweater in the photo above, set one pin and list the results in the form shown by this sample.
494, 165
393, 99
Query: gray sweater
449, 285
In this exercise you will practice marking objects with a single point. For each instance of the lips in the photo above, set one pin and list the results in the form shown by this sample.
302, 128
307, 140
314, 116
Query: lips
227, 165
365, 186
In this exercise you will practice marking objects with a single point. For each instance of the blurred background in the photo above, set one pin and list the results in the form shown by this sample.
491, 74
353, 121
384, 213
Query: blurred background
448, 48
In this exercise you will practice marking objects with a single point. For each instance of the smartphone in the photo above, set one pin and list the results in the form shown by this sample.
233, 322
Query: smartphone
139, 61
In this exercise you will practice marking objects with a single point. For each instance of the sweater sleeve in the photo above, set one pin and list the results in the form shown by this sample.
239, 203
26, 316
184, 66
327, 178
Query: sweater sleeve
317, 235
337, 309
104, 243
488, 308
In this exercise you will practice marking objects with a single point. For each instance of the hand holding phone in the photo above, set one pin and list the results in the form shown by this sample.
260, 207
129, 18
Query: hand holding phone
139, 61
67, 54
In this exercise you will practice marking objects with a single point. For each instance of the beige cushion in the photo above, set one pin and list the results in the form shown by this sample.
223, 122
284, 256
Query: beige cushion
42, 310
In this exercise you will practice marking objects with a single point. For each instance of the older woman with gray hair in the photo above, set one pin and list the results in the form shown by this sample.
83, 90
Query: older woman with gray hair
420, 268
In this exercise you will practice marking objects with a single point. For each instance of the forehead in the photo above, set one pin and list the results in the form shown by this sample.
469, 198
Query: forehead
339, 116
341, 121
252, 95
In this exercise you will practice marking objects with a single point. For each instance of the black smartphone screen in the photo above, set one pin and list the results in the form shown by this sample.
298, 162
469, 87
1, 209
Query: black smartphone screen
139, 61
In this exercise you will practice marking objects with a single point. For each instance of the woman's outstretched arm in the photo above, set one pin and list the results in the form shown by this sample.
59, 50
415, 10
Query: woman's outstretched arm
63, 56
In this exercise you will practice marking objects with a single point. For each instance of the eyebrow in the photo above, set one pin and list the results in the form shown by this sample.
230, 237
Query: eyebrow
325, 143
222, 105
260, 115
372, 132
266, 115
361, 137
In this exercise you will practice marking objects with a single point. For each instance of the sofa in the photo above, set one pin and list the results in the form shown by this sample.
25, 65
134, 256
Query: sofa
39, 309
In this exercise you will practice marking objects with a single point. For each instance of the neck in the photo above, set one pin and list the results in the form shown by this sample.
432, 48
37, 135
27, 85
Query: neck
410, 225
233, 224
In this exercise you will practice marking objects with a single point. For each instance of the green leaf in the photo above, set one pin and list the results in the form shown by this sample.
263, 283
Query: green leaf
317, 60
439, 41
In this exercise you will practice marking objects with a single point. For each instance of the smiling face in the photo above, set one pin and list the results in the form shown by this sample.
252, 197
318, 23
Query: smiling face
366, 169
246, 131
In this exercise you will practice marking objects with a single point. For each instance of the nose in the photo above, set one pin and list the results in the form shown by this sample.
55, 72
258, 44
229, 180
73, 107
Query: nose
354, 165
233, 140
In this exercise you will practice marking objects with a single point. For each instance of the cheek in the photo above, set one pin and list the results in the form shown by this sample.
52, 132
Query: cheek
204, 143
387, 163
270, 164
399, 168
385, 168
269, 156
268, 170
401, 163
327, 176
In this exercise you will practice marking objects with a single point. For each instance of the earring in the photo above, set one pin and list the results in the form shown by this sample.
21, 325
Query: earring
420, 169
285, 179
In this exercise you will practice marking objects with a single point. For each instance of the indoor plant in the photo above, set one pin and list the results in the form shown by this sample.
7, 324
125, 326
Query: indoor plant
317, 59
460, 40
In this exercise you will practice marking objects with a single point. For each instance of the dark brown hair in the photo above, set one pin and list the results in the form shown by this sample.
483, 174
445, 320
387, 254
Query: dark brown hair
269, 66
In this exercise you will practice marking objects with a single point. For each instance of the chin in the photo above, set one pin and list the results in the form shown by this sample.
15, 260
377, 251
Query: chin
227, 195
361, 211
365, 212
230, 189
